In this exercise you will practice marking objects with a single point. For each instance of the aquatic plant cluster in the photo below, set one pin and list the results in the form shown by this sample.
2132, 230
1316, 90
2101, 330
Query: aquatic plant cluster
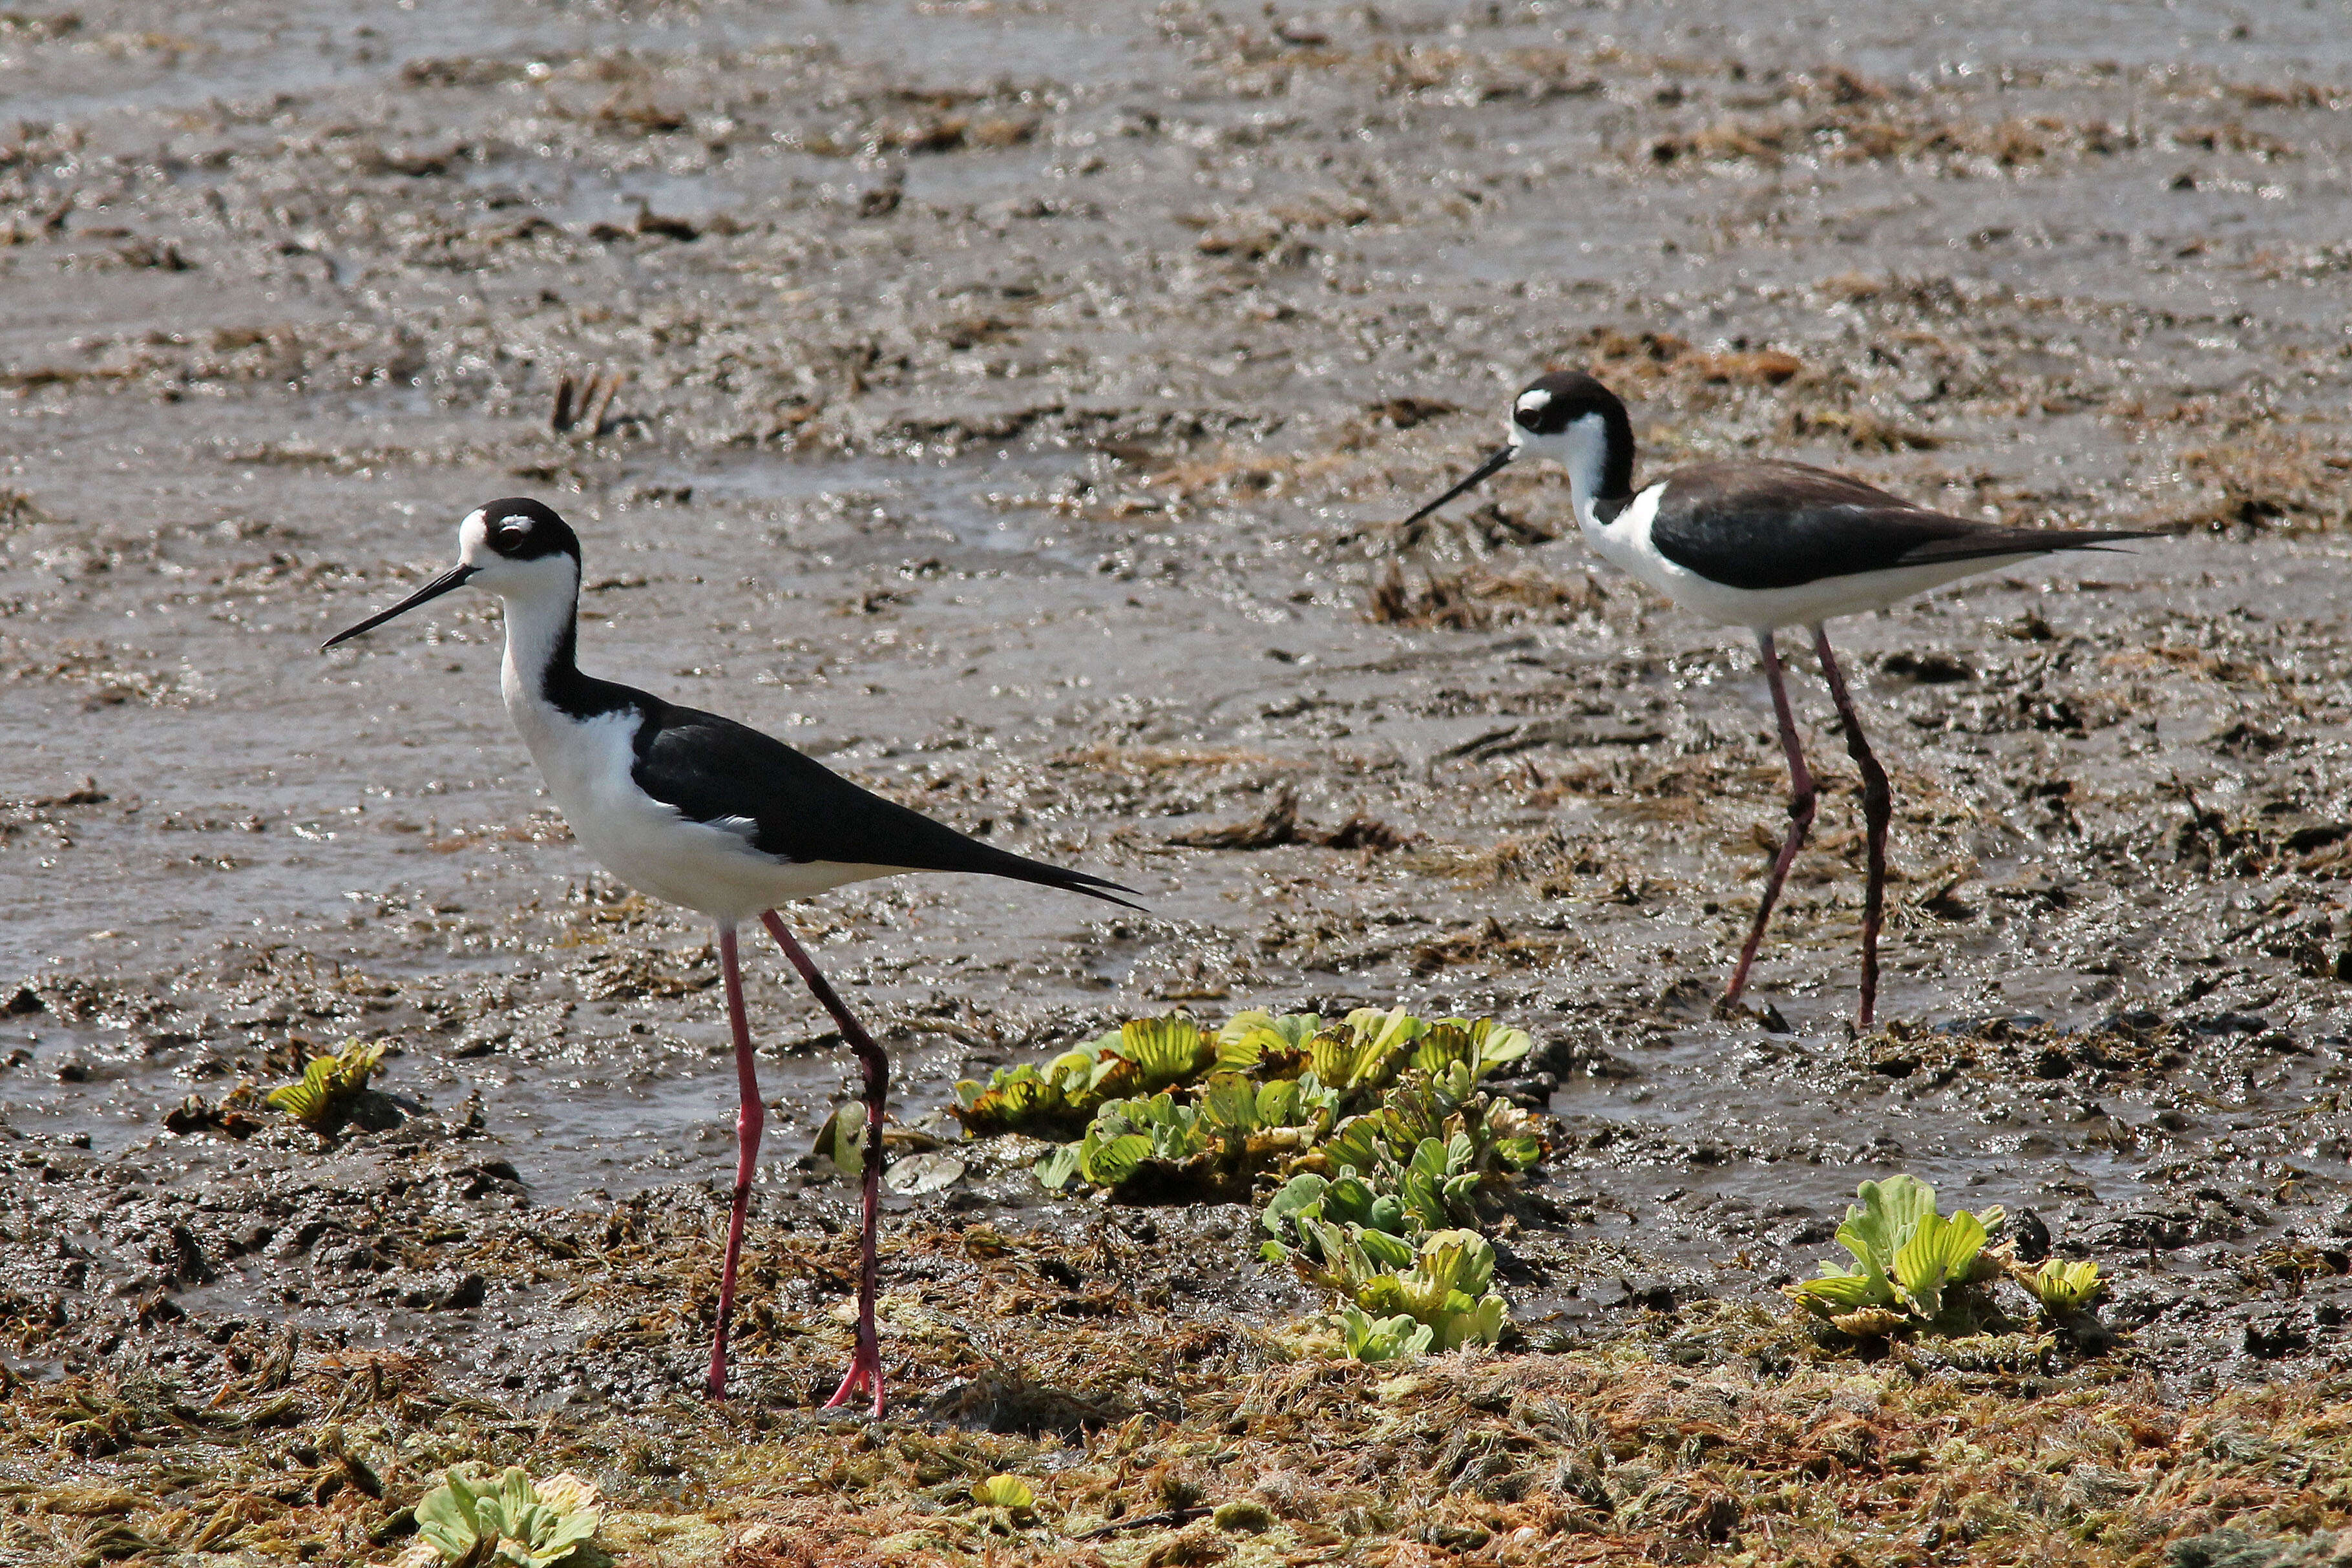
1367, 1142
1915, 1268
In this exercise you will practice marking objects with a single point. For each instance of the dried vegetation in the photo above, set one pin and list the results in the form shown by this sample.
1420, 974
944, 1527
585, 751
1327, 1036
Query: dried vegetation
1758, 1445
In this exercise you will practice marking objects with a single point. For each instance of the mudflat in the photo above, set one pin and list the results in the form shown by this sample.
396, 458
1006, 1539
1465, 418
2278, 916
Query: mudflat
1012, 404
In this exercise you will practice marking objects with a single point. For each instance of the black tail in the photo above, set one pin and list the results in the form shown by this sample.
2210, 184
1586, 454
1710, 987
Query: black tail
990, 861
1982, 542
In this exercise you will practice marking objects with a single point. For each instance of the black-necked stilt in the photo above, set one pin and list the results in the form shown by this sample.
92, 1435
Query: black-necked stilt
1763, 545
707, 813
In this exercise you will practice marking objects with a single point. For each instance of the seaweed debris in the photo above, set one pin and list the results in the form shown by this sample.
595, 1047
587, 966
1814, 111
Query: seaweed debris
1616, 1454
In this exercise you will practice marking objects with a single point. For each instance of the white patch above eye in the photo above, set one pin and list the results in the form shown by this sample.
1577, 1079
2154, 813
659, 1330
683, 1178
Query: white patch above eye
1533, 400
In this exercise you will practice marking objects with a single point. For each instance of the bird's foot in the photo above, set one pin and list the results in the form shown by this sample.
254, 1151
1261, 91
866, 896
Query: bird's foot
865, 1374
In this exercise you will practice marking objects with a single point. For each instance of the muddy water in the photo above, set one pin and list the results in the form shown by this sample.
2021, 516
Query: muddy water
1017, 403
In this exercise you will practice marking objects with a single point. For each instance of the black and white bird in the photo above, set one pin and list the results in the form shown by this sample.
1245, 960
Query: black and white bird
1764, 545
707, 813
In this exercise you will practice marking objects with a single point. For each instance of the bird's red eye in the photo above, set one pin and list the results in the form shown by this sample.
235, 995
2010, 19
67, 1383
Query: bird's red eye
509, 536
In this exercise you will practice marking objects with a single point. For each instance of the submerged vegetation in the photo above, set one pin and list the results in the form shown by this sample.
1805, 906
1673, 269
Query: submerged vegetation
1369, 1144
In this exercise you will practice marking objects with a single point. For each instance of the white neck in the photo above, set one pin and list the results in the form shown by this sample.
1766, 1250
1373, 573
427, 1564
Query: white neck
1583, 451
539, 623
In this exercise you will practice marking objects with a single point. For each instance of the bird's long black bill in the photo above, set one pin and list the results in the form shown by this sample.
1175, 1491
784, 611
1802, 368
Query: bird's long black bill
1478, 475
454, 578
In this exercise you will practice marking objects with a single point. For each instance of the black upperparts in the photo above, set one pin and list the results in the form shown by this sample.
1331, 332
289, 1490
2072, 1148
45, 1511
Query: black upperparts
1765, 525
712, 769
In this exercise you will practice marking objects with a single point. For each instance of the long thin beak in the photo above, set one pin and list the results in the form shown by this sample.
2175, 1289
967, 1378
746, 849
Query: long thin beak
454, 578
1479, 474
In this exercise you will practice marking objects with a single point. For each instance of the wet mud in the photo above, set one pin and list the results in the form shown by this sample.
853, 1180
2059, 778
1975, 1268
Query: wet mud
1012, 404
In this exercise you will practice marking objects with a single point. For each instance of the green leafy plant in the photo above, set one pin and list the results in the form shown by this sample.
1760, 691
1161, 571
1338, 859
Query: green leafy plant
2060, 1289
1267, 1095
1138, 1058
1209, 1147
1368, 1338
1446, 1292
1367, 1140
329, 1083
841, 1138
1357, 1058
1914, 1268
1004, 1504
474, 1518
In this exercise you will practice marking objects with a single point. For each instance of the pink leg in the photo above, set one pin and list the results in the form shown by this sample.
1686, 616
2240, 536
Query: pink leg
866, 1362
1878, 808
1801, 815
748, 1122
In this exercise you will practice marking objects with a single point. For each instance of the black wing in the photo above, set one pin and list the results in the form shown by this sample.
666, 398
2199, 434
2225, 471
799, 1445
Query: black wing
712, 767
1757, 525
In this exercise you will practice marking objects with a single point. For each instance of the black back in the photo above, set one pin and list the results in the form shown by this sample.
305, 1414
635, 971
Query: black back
1764, 524
712, 767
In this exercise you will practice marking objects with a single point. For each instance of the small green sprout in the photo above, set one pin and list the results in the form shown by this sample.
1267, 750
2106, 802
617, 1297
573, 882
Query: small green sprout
328, 1086
1369, 1338
2059, 1288
1907, 1256
1004, 1491
475, 1519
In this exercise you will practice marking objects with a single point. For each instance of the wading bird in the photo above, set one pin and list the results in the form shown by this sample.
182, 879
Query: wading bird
1763, 545
707, 813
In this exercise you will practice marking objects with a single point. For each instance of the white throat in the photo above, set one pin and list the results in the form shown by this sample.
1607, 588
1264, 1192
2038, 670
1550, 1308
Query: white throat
539, 621
1582, 449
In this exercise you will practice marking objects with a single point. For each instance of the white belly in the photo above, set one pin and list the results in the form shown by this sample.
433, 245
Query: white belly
648, 845
1809, 603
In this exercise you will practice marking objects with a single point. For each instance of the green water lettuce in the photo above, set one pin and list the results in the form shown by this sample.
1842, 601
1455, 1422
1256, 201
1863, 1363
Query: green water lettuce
474, 1518
1367, 1140
1003, 1503
2060, 1289
329, 1083
1139, 1057
1913, 1267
